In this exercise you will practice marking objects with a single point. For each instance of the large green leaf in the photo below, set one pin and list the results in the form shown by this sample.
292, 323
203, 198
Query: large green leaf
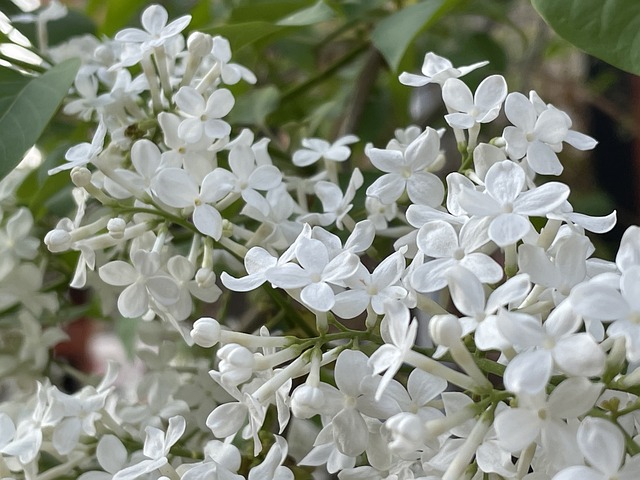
607, 29
242, 34
309, 16
393, 35
26, 107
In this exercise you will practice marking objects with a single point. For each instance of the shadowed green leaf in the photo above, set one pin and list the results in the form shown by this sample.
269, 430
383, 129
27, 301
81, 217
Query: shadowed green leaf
393, 35
609, 30
309, 16
242, 34
28, 107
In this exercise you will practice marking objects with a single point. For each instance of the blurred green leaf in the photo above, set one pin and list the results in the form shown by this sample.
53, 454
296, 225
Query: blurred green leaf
269, 11
393, 35
25, 113
309, 16
609, 30
254, 106
119, 13
242, 34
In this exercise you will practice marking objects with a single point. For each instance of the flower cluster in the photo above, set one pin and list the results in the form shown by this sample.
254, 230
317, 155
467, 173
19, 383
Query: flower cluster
480, 345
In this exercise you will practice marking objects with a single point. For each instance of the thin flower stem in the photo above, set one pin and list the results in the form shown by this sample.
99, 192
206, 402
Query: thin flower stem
430, 365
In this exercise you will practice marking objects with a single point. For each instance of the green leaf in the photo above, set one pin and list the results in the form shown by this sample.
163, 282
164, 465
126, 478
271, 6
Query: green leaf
242, 34
254, 106
270, 11
609, 30
119, 14
393, 35
309, 16
28, 108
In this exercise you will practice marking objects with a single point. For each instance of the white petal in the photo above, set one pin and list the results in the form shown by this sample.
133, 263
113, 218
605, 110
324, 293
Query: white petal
219, 103
551, 127
602, 444
580, 140
504, 181
542, 159
520, 112
175, 187
491, 92
189, 101
118, 273
208, 221
437, 239
133, 302
516, 428
318, 296
154, 18
508, 228
529, 372
388, 188
457, 96
541, 200
466, 291
111, 453
573, 397
425, 188
350, 432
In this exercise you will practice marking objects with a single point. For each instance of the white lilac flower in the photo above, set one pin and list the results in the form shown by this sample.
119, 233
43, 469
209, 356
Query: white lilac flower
231, 73
315, 273
316, 148
399, 334
203, 117
436, 69
534, 135
84, 153
156, 30
335, 204
407, 171
144, 281
555, 344
177, 188
372, 290
603, 446
541, 418
470, 109
508, 205
156, 449
247, 177
602, 300
439, 240
467, 294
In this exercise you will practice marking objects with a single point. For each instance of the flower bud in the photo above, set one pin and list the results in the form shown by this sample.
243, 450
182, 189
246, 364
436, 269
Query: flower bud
116, 227
407, 433
205, 278
236, 363
307, 401
58, 240
445, 330
199, 44
80, 176
206, 332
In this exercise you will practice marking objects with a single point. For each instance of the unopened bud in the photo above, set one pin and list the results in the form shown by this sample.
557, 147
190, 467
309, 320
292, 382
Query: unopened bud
445, 330
80, 176
116, 227
307, 401
58, 240
199, 44
205, 278
206, 332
